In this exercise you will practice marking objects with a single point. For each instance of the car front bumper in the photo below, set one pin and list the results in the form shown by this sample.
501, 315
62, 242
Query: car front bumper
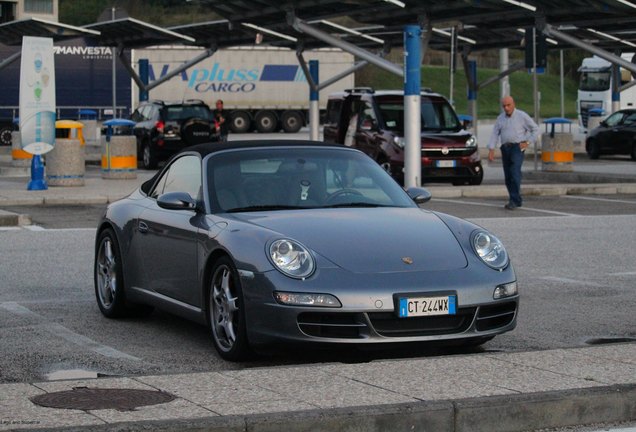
368, 313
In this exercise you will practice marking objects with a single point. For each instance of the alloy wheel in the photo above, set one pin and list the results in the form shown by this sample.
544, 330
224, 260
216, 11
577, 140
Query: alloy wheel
224, 309
106, 274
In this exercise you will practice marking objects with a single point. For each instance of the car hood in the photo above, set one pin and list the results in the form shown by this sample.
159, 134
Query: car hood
447, 139
374, 240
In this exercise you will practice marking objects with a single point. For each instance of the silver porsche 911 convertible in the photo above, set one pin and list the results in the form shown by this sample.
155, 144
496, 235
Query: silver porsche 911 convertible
297, 241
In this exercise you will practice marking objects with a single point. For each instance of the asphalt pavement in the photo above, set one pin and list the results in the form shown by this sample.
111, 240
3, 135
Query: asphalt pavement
519, 391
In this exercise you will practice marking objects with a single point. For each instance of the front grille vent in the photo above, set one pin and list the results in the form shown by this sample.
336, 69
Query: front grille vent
493, 317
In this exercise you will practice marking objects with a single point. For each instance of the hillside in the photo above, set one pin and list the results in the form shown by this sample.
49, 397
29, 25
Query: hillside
438, 79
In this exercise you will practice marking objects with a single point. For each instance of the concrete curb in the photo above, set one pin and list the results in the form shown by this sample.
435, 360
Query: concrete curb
13, 219
523, 412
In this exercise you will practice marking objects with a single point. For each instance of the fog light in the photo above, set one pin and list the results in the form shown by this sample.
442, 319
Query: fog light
506, 290
306, 299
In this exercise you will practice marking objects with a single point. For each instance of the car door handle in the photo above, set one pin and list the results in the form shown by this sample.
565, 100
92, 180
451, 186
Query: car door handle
142, 227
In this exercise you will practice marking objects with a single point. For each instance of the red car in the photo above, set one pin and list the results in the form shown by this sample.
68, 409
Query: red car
373, 122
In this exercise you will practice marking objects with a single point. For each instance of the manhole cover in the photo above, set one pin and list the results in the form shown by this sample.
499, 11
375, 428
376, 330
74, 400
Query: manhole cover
83, 398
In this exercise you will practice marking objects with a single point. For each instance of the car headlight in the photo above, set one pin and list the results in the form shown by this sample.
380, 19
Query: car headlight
490, 249
471, 142
291, 258
399, 141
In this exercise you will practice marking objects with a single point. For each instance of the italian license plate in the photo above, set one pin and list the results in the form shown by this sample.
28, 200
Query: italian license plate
427, 306
446, 163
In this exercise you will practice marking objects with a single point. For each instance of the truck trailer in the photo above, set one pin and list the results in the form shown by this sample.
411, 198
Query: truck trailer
262, 88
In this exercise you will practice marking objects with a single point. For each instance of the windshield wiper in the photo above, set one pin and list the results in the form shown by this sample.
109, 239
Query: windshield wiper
263, 208
356, 204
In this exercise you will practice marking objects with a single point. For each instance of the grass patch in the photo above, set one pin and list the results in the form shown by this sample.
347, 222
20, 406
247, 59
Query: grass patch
438, 79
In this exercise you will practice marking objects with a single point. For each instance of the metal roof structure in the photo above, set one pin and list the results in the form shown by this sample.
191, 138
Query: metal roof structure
481, 24
11, 33
131, 33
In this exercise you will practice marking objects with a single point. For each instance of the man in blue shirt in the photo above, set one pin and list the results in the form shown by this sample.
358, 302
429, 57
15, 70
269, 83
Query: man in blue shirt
515, 130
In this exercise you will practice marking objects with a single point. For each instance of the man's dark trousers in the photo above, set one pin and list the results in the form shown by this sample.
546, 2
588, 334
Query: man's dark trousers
512, 158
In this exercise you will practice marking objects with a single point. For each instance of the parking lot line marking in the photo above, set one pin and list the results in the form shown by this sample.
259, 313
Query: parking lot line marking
67, 334
37, 228
553, 212
630, 273
600, 199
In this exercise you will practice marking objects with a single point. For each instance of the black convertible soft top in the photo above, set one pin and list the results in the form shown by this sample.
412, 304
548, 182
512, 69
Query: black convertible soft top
214, 147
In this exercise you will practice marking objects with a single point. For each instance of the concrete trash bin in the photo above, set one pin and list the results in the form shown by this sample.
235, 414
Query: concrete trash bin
65, 163
594, 118
119, 150
557, 148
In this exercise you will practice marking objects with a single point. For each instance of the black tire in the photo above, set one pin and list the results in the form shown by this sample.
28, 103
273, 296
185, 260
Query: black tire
476, 180
292, 121
226, 312
266, 121
148, 158
240, 122
633, 154
195, 131
108, 276
5, 135
593, 149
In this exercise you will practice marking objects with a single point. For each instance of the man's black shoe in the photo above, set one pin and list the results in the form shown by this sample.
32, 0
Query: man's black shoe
510, 206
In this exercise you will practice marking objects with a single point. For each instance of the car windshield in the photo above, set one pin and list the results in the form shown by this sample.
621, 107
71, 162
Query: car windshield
595, 81
182, 112
437, 115
284, 178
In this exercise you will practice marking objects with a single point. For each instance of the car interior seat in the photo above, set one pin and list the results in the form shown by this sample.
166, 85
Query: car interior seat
227, 187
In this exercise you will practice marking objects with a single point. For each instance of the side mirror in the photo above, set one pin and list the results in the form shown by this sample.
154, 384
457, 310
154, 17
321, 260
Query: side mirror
467, 124
176, 201
419, 195
603, 123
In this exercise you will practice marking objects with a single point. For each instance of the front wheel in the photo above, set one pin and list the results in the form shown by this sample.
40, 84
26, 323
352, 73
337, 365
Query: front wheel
109, 280
633, 154
5, 135
593, 149
477, 179
226, 312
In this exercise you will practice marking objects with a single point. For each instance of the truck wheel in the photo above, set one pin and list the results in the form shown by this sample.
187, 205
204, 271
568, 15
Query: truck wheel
266, 121
292, 121
241, 122
5, 135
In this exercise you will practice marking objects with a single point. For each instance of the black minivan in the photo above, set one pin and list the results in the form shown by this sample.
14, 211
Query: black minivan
373, 122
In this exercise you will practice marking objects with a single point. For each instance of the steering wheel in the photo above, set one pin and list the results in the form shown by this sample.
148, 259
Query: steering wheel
342, 192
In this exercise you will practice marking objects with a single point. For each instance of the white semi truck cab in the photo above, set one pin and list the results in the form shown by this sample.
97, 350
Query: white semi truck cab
595, 88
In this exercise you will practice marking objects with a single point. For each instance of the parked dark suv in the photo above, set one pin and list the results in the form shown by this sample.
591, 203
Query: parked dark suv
164, 128
373, 122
